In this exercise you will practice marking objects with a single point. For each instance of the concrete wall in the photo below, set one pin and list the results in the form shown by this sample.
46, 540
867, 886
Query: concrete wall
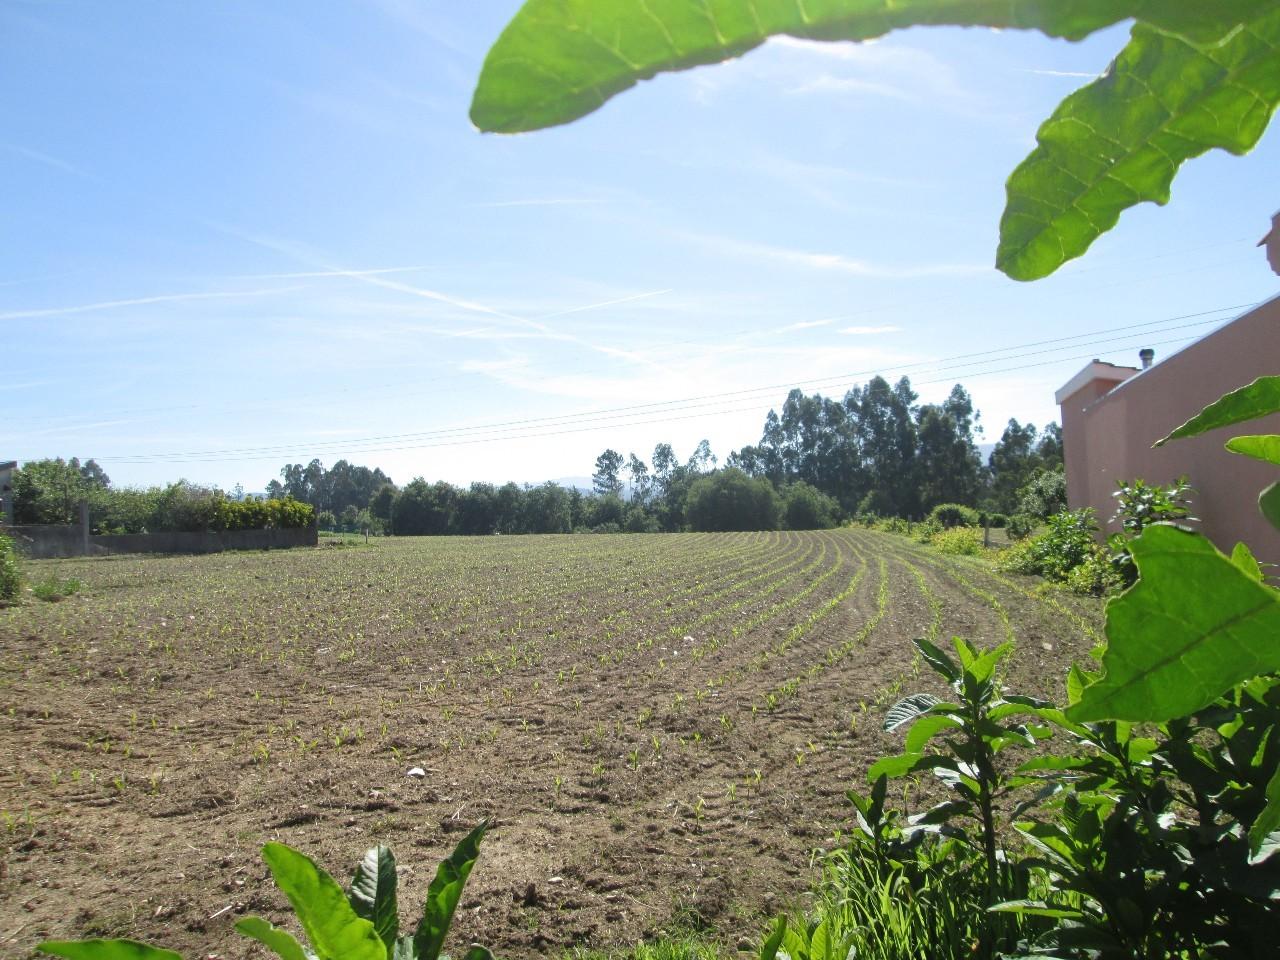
1109, 439
46, 542
49, 541
208, 542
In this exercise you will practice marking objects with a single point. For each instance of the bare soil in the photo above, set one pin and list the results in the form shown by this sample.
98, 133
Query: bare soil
661, 728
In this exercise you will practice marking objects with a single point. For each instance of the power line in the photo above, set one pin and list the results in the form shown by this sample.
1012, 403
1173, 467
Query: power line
611, 415
622, 417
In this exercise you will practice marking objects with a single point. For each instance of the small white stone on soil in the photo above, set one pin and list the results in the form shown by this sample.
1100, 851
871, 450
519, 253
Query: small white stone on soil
416, 772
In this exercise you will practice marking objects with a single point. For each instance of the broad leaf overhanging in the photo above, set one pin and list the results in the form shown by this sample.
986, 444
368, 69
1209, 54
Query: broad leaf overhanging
1196, 75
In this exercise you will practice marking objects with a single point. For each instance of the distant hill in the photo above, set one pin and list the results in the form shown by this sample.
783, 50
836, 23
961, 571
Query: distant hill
579, 483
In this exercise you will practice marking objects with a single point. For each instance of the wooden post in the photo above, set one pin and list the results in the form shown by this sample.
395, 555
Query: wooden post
84, 526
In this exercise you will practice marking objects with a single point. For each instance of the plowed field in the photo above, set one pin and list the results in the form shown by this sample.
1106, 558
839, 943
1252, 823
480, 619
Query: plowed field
661, 727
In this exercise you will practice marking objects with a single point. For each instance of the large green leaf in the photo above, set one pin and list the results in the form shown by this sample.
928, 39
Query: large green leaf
332, 927
1265, 448
1120, 140
284, 944
105, 950
1194, 625
373, 893
769, 949
444, 893
561, 59
1258, 399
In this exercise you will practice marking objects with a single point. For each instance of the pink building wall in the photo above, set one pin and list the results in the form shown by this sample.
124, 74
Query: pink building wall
1112, 415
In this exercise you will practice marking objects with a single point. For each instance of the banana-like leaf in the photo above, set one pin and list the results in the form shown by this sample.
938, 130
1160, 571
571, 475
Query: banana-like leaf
1120, 140
444, 893
908, 709
982, 665
769, 949
937, 660
1265, 448
332, 927
1269, 504
373, 894
1257, 399
1193, 626
561, 59
925, 729
105, 950
281, 942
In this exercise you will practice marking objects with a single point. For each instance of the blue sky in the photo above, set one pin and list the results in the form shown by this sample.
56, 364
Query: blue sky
240, 234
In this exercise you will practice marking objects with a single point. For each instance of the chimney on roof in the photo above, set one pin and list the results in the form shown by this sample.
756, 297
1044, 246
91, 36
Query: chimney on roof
1146, 355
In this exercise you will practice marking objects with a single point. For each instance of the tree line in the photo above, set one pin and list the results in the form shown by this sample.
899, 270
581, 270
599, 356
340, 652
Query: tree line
50, 491
876, 452
820, 461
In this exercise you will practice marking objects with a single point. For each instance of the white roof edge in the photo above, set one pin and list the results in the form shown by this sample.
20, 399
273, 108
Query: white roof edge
1094, 371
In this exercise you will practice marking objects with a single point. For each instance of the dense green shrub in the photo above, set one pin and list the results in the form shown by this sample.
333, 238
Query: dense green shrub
10, 578
963, 541
893, 525
807, 508
1044, 494
924, 531
1020, 526
1020, 557
1067, 543
1139, 505
730, 500
1097, 576
997, 521
949, 515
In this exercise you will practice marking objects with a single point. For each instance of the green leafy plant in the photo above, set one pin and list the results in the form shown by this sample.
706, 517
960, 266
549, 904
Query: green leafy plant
950, 515
360, 924
1020, 526
53, 589
1193, 77
10, 578
1067, 542
963, 541
1139, 505
1044, 494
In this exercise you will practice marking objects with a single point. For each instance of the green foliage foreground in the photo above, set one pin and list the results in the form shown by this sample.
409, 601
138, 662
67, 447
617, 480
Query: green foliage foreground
362, 923
1152, 833
10, 579
1195, 75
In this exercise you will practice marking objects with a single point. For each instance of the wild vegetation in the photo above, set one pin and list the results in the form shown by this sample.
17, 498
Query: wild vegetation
51, 491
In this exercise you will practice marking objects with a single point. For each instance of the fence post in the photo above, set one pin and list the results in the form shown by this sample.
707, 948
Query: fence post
84, 526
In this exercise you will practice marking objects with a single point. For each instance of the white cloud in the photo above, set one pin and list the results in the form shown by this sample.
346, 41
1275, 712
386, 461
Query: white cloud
830, 83
835, 262
868, 331
140, 301
1061, 73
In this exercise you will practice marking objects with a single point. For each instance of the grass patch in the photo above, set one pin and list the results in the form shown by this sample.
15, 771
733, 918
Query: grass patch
51, 589
683, 946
